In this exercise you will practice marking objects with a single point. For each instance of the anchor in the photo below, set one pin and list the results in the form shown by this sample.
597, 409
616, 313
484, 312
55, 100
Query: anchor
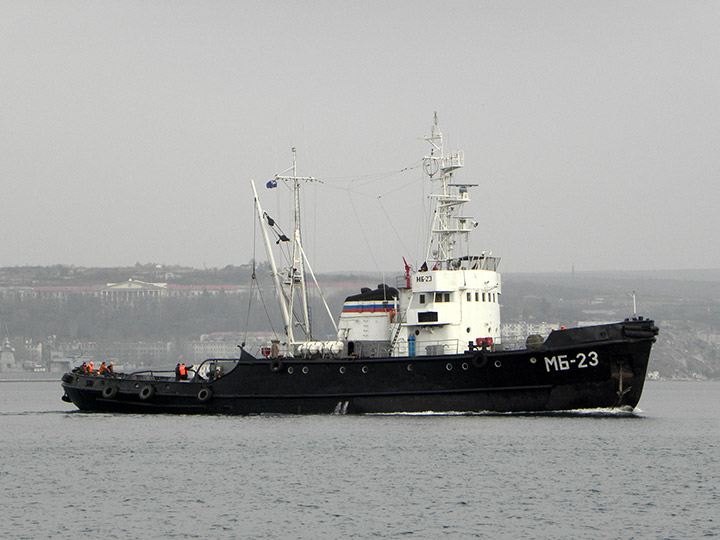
621, 391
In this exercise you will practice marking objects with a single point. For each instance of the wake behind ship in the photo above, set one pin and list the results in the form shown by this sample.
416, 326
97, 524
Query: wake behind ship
431, 343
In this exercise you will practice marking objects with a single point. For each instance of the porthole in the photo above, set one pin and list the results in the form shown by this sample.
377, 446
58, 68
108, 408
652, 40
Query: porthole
410, 367
448, 366
364, 369
342, 370
290, 370
498, 363
464, 366
533, 360
468, 330
305, 370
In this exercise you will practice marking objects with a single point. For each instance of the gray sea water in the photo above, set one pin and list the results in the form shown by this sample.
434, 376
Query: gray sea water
651, 474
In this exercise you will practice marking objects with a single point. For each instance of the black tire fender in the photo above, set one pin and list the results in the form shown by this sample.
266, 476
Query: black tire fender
204, 394
146, 392
640, 333
110, 391
480, 359
276, 366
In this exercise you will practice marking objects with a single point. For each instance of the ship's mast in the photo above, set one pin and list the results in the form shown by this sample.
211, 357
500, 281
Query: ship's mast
287, 319
294, 276
296, 273
448, 225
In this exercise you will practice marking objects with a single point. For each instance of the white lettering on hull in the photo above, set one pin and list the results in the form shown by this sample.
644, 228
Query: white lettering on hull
561, 362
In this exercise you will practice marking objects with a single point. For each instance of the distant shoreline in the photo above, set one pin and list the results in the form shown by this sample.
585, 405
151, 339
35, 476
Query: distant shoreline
30, 377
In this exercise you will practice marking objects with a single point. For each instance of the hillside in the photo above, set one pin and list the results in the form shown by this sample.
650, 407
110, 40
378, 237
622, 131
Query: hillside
685, 305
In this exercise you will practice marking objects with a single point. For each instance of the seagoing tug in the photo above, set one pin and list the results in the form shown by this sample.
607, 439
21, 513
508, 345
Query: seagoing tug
431, 344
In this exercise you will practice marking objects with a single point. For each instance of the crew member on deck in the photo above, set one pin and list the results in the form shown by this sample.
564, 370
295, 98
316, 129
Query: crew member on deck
111, 368
182, 370
102, 369
90, 367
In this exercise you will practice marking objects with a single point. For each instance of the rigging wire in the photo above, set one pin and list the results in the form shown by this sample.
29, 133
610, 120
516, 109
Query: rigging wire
392, 225
400, 187
254, 284
253, 277
424, 221
354, 192
362, 230
267, 314
314, 252
373, 178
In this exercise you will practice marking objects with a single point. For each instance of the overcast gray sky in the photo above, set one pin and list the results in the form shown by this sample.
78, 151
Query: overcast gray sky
130, 130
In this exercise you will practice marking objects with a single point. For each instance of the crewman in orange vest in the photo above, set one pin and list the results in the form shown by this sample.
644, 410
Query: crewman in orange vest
103, 369
182, 370
90, 367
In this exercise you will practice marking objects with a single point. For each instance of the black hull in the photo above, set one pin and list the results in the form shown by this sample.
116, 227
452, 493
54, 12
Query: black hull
582, 368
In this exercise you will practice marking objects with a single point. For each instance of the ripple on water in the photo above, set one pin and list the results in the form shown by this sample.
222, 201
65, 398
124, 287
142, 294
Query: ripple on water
650, 473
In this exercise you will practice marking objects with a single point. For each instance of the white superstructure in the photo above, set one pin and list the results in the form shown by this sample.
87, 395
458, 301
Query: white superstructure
452, 302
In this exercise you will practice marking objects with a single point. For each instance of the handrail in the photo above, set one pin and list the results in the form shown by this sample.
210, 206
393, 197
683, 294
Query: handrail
447, 345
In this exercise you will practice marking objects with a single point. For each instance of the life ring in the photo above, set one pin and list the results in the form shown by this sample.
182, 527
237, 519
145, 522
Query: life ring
147, 391
276, 366
110, 392
204, 394
480, 359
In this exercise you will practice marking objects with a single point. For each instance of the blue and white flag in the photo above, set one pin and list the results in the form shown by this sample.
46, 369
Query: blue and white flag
272, 183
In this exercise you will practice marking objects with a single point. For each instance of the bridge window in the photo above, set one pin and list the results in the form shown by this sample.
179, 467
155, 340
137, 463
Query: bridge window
428, 316
422, 298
